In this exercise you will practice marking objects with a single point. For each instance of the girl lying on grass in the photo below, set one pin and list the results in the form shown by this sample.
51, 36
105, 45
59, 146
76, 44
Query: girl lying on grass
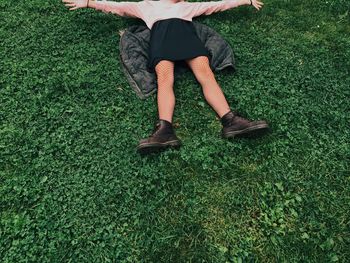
174, 38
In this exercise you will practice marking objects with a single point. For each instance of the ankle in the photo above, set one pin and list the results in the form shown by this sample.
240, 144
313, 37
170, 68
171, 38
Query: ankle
169, 123
166, 119
163, 127
226, 119
223, 114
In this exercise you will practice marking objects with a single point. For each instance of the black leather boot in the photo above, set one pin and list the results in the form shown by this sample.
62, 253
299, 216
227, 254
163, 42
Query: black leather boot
163, 135
234, 124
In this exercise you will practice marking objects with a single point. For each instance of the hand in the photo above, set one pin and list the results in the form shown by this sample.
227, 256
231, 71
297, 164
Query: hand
76, 4
257, 4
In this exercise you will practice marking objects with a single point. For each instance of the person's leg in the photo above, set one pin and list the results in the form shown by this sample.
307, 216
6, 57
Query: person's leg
165, 93
211, 89
233, 124
163, 134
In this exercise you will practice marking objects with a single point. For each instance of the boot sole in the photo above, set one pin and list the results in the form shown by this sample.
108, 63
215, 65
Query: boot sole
247, 131
150, 147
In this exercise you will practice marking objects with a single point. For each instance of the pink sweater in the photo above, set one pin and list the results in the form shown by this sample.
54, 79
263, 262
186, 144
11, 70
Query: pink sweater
151, 11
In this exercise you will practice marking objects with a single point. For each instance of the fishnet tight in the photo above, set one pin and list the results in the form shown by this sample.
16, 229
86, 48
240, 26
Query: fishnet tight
165, 93
204, 75
211, 89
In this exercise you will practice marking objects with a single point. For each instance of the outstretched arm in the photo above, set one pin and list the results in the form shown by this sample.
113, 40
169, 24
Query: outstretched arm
208, 8
127, 9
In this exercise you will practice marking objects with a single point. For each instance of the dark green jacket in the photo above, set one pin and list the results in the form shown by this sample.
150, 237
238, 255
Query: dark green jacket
134, 43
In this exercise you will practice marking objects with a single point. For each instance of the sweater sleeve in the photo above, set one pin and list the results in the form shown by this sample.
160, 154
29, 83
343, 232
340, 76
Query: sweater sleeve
127, 9
208, 8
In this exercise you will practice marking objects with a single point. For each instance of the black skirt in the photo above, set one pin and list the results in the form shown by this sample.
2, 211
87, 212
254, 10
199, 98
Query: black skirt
174, 39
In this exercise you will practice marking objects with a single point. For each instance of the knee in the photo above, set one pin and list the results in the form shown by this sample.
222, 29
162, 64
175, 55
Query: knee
165, 78
165, 73
202, 70
204, 76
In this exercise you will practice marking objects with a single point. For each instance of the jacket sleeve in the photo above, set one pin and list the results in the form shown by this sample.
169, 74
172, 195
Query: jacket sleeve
208, 8
127, 9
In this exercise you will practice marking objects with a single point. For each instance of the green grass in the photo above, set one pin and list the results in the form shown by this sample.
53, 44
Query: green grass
73, 188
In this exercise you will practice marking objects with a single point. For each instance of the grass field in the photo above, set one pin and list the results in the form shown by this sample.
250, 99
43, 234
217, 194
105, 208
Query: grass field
74, 189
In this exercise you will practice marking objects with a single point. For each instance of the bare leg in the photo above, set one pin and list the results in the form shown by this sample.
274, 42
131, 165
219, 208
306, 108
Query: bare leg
211, 89
165, 93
